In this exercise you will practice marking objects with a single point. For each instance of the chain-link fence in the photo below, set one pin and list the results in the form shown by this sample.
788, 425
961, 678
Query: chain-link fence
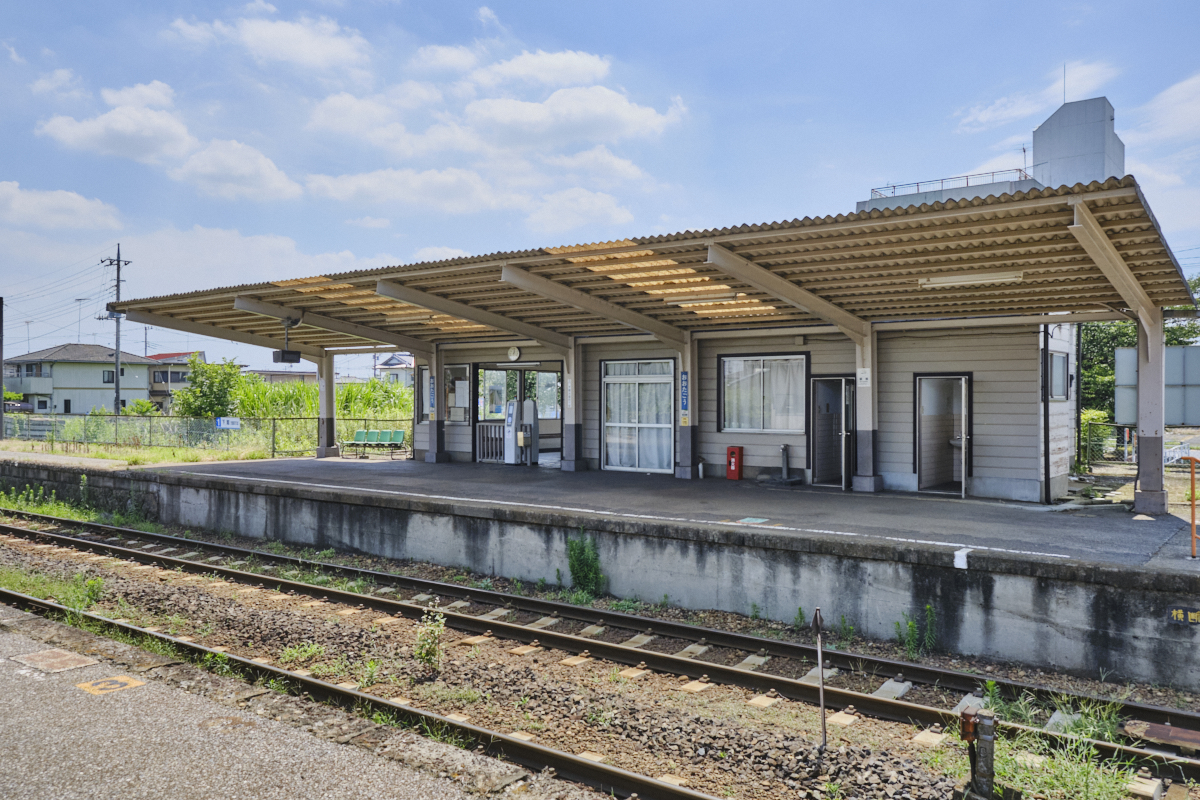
1114, 448
268, 437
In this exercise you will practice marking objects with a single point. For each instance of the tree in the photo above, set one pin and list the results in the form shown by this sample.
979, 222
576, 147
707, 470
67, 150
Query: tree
13, 396
212, 389
141, 408
1099, 342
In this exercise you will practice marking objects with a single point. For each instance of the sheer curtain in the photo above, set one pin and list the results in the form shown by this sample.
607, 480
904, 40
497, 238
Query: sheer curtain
743, 393
783, 401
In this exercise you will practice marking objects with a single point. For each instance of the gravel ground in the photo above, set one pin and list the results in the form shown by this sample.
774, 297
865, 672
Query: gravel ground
1111, 688
713, 740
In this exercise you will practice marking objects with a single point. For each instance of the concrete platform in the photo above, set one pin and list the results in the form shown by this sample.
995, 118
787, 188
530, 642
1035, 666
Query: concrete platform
1095, 535
153, 741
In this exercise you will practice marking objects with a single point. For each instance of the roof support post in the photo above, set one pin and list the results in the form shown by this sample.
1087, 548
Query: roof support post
1150, 496
327, 444
397, 291
256, 306
688, 415
572, 438
161, 321
436, 452
1091, 236
866, 418
667, 334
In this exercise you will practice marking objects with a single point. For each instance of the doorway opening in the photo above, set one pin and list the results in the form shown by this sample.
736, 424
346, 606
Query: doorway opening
833, 432
497, 384
943, 434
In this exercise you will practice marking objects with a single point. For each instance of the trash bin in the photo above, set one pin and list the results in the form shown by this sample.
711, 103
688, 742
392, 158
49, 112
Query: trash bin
733, 463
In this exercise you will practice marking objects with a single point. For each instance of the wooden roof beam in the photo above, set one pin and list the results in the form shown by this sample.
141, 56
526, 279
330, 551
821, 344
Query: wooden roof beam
764, 280
200, 329
1089, 233
555, 341
667, 334
256, 306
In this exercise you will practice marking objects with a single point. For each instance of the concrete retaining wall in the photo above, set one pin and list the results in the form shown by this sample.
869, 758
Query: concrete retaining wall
1080, 618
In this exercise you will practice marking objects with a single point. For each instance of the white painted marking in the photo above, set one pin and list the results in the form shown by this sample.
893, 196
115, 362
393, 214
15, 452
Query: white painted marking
651, 517
960, 558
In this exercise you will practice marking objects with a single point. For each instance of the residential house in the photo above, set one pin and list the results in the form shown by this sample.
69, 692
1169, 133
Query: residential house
76, 378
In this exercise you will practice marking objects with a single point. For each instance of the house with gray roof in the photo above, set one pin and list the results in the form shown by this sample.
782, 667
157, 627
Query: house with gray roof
76, 378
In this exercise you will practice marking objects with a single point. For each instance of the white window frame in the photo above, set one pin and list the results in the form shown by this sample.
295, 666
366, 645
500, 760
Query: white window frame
668, 378
802, 358
1066, 376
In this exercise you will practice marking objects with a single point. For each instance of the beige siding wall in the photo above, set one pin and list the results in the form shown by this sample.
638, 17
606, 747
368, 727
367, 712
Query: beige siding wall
828, 355
1062, 412
1005, 365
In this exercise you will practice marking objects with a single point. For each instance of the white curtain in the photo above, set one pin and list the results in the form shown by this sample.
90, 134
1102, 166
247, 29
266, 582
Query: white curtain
783, 401
743, 393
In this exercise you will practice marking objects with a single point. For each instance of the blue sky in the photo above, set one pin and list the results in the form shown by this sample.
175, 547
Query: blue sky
230, 143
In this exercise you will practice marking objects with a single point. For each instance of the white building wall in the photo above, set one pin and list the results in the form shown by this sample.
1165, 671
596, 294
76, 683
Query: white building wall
83, 384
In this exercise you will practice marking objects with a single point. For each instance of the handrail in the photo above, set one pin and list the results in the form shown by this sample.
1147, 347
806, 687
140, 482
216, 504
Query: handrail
890, 190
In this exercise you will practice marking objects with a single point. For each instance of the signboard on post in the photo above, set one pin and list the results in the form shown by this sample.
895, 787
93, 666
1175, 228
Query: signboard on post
683, 398
229, 424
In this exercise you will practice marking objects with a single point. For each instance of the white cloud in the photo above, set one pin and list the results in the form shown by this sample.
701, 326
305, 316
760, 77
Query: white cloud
594, 112
565, 68
143, 134
53, 209
375, 119
13, 55
144, 95
572, 208
488, 17
600, 164
234, 170
454, 190
1083, 80
438, 254
259, 6
319, 44
444, 58
369, 222
61, 82
1173, 114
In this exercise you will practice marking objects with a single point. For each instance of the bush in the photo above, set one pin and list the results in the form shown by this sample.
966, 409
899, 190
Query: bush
583, 560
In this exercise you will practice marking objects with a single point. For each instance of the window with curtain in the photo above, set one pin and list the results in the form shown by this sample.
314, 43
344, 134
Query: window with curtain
763, 393
1058, 376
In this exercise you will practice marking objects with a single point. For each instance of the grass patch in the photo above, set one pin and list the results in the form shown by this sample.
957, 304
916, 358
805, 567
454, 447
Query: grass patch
79, 592
449, 695
300, 653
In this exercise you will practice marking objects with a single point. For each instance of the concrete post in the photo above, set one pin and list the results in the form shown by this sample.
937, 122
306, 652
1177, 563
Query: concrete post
1150, 496
327, 445
866, 402
688, 420
572, 432
437, 423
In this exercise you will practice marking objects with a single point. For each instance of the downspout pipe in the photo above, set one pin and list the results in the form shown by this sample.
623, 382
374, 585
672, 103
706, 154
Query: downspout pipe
1046, 411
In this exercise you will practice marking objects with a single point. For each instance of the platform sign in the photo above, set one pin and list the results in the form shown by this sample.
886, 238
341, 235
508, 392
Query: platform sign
1182, 615
683, 398
229, 424
109, 685
863, 377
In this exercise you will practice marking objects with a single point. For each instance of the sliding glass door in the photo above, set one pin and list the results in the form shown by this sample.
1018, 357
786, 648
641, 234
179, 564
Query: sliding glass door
639, 421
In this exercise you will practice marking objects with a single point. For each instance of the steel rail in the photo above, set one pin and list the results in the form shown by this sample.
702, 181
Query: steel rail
604, 777
928, 675
1163, 764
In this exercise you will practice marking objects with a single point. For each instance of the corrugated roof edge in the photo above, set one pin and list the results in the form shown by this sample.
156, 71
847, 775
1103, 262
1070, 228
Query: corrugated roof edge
807, 222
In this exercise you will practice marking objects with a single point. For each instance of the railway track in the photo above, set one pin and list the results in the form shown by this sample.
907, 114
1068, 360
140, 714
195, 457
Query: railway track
755, 663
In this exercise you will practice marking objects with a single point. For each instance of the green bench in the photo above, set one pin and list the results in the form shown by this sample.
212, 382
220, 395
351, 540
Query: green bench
393, 441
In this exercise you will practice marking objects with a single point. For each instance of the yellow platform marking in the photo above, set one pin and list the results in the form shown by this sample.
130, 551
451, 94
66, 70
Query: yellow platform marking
110, 685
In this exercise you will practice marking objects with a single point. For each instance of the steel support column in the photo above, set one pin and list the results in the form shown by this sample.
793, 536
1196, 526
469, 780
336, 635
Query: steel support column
326, 408
866, 417
688, 418
572, 435
436, 452
1151, 496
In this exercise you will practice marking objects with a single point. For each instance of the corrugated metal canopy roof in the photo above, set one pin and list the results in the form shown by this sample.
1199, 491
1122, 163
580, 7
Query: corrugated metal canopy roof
896, 264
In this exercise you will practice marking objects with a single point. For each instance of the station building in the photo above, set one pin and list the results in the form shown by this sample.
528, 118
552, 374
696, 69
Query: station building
924, 343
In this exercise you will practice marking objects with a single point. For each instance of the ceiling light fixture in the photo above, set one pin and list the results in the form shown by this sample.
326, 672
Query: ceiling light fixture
970, 279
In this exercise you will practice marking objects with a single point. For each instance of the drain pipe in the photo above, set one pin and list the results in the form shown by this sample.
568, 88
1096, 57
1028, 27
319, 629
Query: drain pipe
783, 454
1046, 410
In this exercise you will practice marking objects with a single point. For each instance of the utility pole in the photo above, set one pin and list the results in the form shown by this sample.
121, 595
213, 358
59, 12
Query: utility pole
116, 317
79, 332
28, 322
146, 341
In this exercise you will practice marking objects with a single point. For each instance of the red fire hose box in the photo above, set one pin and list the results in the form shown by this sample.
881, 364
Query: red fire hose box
733, 463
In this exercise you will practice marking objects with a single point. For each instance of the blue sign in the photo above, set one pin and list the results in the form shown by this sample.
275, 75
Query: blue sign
683, 390
229, 424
